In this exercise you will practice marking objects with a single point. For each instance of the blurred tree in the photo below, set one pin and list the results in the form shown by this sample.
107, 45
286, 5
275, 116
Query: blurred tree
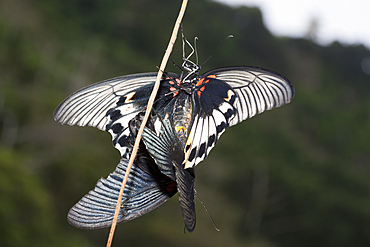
295, 176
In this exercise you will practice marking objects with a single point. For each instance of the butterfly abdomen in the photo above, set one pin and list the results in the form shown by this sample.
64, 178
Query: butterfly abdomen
181, 116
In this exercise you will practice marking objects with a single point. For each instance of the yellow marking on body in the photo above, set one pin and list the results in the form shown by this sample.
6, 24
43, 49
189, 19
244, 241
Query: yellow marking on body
179, 128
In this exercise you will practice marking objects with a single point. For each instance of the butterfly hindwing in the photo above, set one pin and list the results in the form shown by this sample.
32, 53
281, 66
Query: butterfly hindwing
213, 100
167, 151
144, 192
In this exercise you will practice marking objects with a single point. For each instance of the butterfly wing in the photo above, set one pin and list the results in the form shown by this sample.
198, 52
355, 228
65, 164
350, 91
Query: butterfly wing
257, 90
89, 106
110, 105
227, 96
167, 151
144, 192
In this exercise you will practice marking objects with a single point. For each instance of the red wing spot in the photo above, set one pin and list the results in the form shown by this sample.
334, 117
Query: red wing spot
171, 187
171, 82
206, 81
178, 82
174, 89
199, 93
211, 76
200, 82
202, 88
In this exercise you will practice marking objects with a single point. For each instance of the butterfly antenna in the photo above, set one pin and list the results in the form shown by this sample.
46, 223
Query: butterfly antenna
210, 216
228, 37
183, 41
159, 69
164, 73
177, 49
196, 50
174, 64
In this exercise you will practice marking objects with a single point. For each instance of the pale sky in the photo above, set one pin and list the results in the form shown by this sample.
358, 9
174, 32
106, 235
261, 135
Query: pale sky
347, 21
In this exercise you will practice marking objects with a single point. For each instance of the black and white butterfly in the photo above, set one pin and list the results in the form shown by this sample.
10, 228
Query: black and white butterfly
198, 107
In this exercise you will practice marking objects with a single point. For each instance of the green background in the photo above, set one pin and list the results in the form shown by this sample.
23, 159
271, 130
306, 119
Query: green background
294, 176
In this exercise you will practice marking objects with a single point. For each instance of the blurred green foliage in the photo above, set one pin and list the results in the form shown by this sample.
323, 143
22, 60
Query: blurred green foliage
295, 176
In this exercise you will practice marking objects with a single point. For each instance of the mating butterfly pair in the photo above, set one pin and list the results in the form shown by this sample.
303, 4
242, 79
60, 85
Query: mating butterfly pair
189, 114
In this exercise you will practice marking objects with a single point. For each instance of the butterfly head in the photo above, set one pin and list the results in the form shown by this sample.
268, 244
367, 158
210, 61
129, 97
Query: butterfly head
192, 70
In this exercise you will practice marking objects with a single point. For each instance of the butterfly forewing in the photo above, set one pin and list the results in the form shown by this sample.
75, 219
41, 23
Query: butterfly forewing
257, 90
110, 105
88, 106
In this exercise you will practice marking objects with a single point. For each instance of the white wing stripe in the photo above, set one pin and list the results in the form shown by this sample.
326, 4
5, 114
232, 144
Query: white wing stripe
257, 90
88, 106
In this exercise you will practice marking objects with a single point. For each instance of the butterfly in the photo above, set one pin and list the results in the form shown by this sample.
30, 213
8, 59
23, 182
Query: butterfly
190, 112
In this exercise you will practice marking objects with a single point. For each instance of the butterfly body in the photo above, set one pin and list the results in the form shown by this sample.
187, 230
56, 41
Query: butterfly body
167, 151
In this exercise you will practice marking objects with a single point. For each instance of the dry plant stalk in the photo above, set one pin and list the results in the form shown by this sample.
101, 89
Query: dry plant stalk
148, 110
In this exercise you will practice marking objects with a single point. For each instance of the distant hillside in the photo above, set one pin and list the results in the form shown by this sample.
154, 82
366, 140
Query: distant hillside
295, 176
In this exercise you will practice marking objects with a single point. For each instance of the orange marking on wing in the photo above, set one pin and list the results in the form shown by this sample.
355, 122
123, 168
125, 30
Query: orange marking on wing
202, 88
129, 97
211, 76
229, 95
171, 82
178, 81
199, 93
206, 81
200, 82
174, 89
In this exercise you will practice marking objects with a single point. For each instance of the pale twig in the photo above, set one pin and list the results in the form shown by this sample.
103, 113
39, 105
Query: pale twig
147, 113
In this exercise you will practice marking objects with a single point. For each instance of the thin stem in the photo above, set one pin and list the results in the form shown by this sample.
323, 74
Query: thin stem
148, 110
